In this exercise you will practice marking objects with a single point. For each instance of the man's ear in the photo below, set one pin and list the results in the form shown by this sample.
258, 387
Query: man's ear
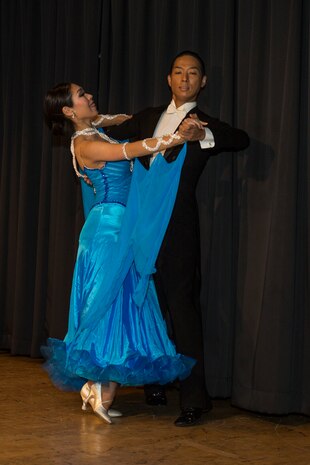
203, 81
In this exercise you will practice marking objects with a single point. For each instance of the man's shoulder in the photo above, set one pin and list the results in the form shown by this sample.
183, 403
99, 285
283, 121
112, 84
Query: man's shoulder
201, 114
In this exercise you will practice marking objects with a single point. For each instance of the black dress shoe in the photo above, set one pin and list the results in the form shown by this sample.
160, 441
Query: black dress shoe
156, 398
189, 417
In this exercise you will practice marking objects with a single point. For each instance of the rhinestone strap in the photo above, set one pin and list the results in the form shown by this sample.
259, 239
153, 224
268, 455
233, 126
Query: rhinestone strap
160, 141
108, 117
124, 151
86, 132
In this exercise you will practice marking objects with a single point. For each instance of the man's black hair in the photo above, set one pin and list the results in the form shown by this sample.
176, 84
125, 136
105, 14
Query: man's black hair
193, 54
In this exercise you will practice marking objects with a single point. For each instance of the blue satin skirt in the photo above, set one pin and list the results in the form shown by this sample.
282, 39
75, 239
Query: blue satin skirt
109, 337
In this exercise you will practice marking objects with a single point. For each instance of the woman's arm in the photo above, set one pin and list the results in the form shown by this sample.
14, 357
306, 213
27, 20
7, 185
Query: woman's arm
96, 151
104, 121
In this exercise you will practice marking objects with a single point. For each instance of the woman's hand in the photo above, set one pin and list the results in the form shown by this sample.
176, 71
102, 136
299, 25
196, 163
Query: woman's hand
87, 180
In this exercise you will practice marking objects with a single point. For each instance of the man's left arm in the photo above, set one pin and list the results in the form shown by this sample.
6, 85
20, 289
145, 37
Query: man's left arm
218, 136
227, 138
208, 141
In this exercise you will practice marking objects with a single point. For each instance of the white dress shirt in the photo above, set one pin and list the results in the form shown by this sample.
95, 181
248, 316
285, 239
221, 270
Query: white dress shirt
172, 117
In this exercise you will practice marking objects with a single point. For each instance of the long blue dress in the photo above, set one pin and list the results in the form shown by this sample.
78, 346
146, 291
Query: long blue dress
116, 331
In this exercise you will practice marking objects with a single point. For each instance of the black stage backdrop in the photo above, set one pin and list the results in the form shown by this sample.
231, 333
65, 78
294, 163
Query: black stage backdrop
254, 205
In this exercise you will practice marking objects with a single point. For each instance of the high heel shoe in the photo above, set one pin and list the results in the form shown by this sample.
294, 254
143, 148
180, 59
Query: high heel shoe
94, 399
84, 394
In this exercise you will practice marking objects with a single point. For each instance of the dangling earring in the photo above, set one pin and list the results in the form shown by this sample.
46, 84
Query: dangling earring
73, 115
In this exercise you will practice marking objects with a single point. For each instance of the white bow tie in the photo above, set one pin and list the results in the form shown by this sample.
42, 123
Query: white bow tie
172, 109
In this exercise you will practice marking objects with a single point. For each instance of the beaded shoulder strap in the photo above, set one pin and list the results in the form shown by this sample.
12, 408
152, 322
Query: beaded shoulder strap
86, 132
79, 175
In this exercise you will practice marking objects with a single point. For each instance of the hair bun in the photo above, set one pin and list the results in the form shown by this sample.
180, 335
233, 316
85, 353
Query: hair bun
55, 99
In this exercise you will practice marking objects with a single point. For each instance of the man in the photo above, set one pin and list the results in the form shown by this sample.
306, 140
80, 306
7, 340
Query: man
177, 278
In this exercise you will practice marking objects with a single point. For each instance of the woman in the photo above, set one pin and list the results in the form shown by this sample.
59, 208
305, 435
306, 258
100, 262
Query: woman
111, 339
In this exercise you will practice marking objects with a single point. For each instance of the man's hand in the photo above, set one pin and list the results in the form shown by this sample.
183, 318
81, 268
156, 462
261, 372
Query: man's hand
119, 119
192, 128
87, 180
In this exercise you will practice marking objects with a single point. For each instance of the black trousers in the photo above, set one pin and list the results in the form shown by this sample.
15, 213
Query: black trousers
177, 282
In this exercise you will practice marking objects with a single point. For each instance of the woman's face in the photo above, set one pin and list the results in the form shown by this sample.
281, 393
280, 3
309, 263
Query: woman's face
83, 103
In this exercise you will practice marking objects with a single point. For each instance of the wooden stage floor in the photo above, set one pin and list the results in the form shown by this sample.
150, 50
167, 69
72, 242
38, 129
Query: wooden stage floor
40, 425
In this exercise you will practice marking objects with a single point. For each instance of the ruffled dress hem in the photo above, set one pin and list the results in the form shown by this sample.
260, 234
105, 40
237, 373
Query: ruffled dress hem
69, 373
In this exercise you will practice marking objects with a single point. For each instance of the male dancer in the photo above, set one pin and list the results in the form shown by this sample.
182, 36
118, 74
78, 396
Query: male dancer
177, 276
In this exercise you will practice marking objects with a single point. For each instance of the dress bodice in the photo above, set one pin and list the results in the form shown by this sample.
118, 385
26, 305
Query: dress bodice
111, 182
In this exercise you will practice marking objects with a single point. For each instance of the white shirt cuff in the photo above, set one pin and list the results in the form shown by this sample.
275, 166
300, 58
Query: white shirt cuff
208, 141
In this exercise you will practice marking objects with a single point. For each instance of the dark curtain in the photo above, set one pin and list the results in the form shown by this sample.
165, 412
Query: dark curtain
253, 205
41, 43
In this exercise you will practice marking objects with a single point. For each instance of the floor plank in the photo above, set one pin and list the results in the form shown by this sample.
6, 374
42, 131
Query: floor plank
40, 425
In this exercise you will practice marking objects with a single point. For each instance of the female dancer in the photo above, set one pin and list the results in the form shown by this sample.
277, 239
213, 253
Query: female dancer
111, 338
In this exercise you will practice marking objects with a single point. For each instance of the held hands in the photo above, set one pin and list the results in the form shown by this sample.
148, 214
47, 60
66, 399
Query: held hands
192, 129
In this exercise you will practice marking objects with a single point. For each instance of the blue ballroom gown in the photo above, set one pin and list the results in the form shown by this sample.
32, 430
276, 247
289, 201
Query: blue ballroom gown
116, 331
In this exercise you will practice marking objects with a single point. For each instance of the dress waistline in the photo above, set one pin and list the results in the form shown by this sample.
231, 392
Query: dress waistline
108, 201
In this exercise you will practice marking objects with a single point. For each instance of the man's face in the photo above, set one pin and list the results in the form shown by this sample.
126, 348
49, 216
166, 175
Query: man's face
186, 80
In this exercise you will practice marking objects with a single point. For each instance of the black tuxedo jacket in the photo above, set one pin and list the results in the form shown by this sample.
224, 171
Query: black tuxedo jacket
226, 138
177, 278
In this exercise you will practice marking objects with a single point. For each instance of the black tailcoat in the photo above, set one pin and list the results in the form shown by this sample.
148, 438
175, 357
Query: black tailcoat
177, 278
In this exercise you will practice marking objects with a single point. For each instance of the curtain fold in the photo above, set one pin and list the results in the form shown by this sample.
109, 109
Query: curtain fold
253, 205
271, 305
42, 43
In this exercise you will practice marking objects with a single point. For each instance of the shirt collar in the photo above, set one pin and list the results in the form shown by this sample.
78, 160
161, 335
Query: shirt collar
186, 107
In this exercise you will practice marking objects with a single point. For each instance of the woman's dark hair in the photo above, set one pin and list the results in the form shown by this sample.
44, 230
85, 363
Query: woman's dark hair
57, 98
192, 54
